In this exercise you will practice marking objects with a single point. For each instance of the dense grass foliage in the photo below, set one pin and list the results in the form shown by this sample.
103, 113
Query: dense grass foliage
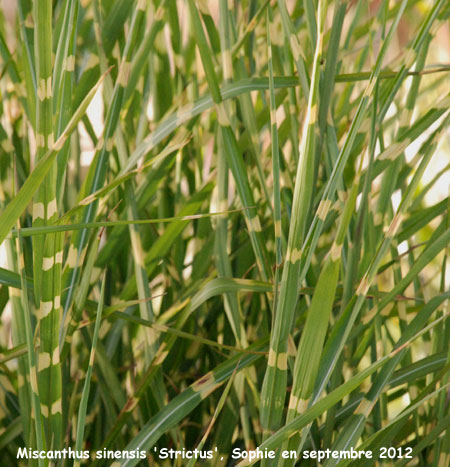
225, 225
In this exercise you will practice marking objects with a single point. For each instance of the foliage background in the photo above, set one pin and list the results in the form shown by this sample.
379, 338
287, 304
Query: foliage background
225, 224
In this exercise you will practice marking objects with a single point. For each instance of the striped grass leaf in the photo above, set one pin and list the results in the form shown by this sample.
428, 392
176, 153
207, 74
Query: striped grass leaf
97, 172
231, 150
14, 209
82, 411
39, 432
275, 158
274, 387
310, 347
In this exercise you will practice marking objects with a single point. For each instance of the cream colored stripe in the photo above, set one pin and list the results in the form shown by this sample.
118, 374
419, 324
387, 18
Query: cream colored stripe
38, 211
47, 263
45, 309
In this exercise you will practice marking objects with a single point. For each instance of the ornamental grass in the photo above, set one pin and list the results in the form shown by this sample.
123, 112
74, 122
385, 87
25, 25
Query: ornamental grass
224, 227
